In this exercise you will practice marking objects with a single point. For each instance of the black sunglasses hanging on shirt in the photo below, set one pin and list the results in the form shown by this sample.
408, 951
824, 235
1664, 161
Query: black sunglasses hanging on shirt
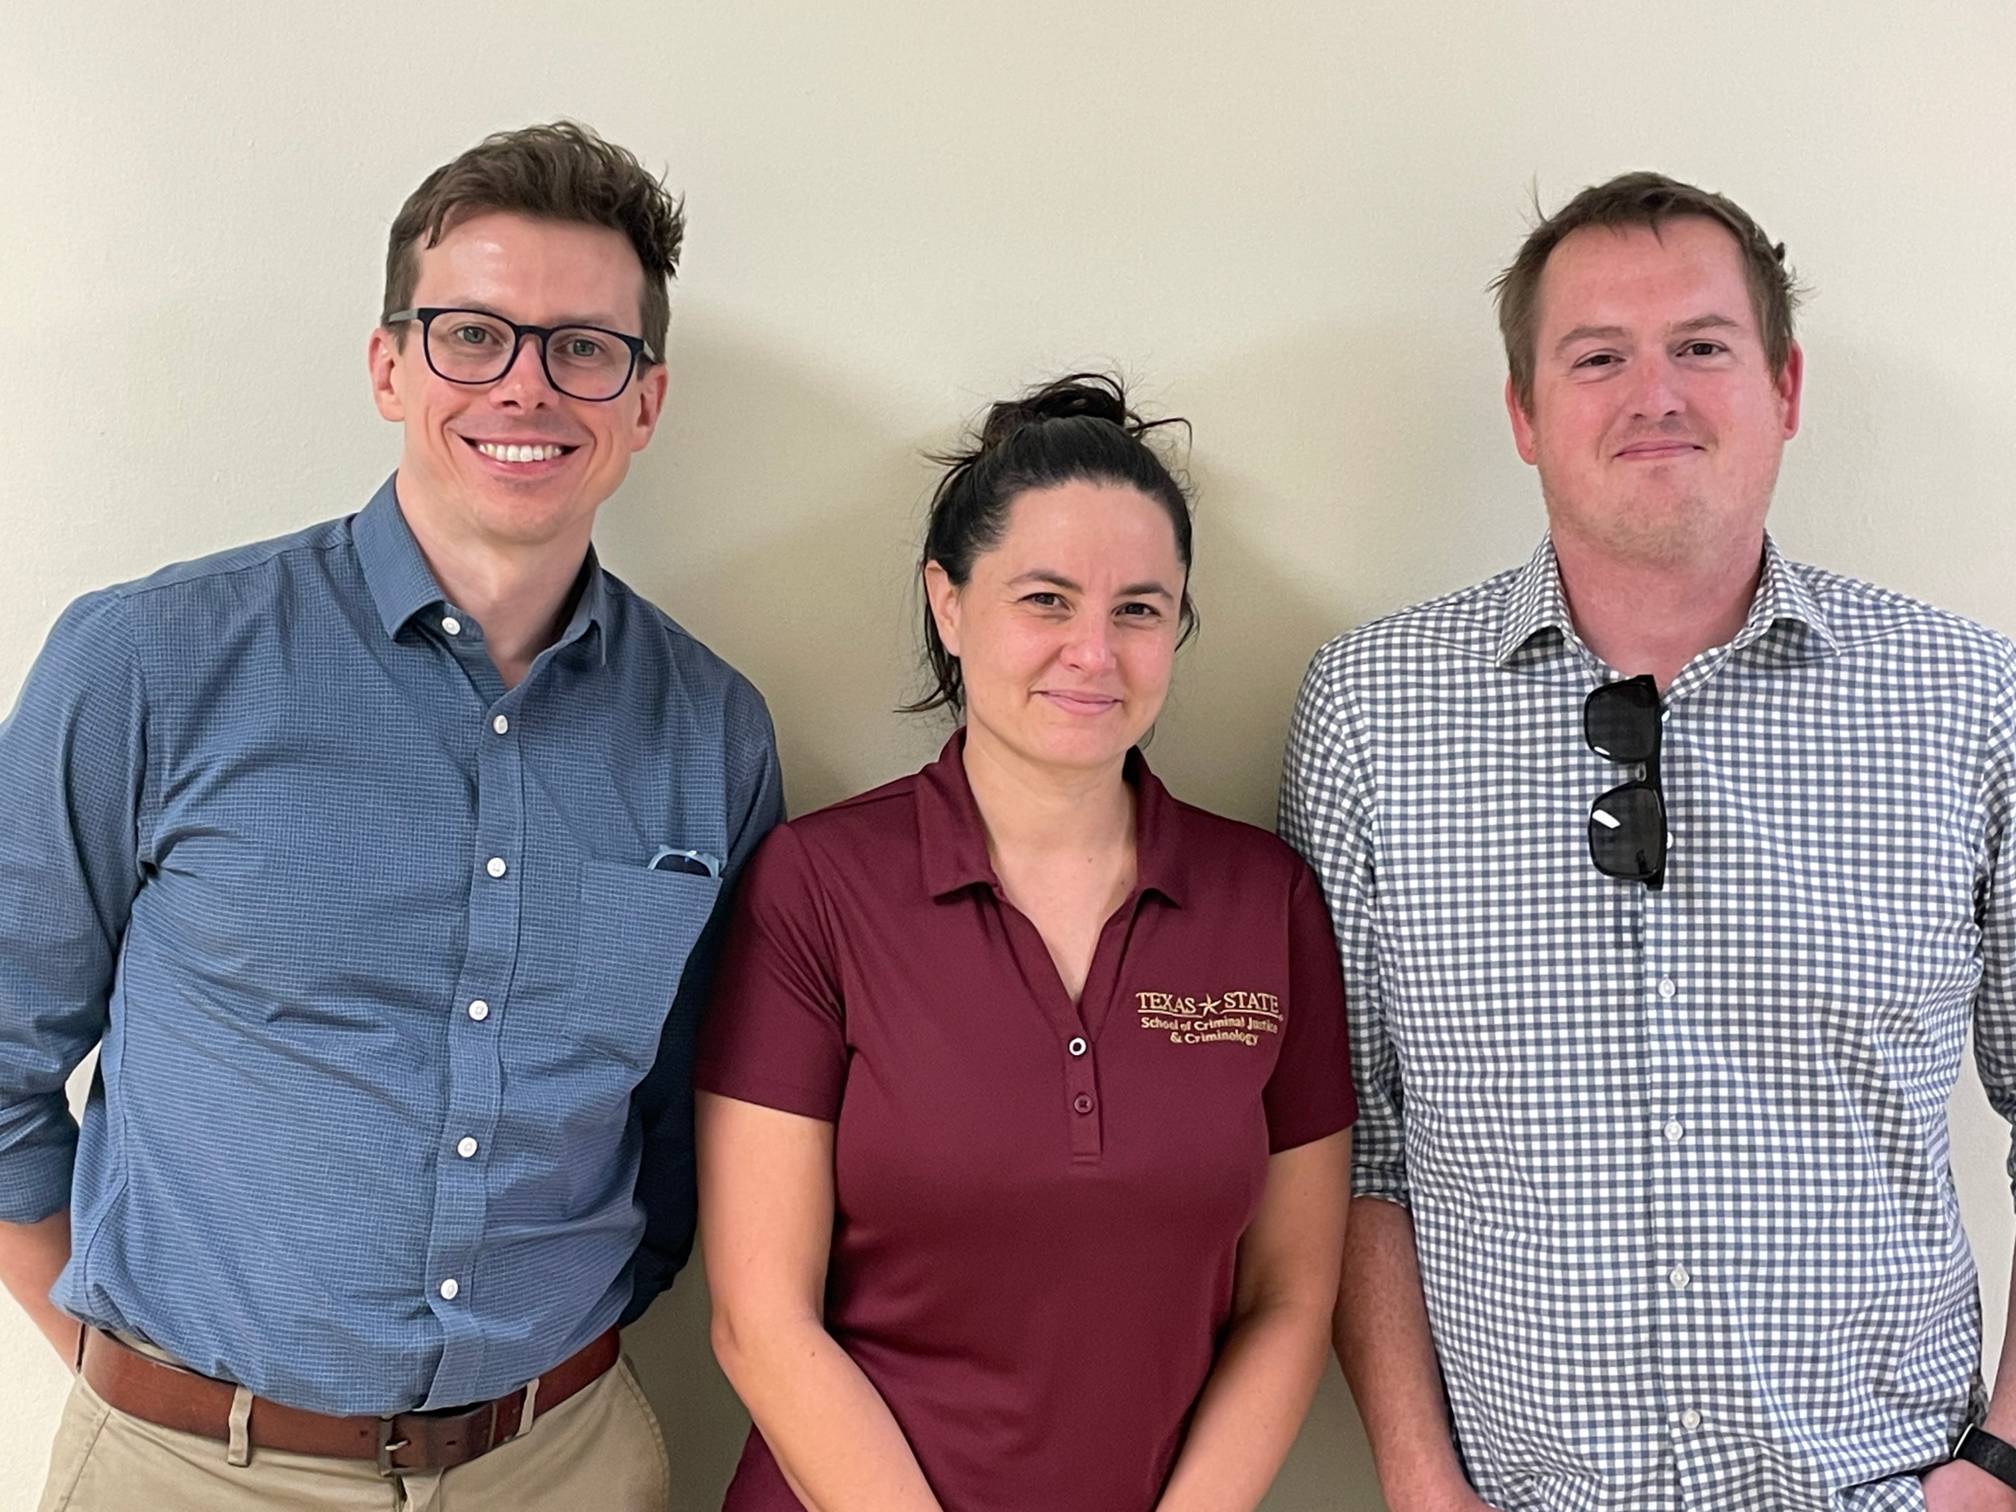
1627, 825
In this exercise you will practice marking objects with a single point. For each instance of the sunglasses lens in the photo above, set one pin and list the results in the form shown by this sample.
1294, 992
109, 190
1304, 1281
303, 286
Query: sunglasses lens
1621, 720
1627, 833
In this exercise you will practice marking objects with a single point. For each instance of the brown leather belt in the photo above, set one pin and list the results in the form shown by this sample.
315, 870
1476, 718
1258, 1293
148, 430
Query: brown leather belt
408, 1443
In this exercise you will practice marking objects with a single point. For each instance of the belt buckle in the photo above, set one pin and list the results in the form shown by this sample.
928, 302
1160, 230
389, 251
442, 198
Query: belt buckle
387, 1447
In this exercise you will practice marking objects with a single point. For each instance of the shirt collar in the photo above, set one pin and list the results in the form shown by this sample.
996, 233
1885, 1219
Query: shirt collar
402, 585
1784, 596
1535, 603
591, 608
953, 840
396, 574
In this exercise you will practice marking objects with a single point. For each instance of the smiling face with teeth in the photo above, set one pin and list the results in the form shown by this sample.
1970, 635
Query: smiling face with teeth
515, 466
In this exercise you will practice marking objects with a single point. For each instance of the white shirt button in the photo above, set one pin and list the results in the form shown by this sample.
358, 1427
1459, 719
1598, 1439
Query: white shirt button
450, 1289
1673, 1131
495, 866
451, 624
465, 1146
1679, 1277
1077, 1045
479, 1010
1667, 987
1690, 1420
501, 725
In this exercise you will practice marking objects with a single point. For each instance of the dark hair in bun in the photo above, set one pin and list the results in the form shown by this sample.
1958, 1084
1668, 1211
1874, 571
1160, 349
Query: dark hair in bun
1076, 429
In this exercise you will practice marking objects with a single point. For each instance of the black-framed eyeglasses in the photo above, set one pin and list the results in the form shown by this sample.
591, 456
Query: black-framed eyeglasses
476, 347
1627, 825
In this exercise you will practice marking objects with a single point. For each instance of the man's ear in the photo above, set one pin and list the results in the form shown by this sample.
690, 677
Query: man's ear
1791, 386
1522, 423
649, 400
384, 358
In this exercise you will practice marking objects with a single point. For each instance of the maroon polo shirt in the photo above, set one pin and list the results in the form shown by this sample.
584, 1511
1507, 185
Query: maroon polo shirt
1038, 1204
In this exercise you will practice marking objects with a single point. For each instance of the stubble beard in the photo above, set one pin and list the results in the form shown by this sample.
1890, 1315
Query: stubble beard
1659, 530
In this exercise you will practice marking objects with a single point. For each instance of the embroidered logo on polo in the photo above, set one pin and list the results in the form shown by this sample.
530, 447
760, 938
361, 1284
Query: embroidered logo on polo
1238, 1018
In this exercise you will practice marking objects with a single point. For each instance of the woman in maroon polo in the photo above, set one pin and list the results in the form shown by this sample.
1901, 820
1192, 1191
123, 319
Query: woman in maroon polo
1025, 1088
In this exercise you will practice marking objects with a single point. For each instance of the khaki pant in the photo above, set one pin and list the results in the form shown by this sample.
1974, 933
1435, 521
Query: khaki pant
598, 1451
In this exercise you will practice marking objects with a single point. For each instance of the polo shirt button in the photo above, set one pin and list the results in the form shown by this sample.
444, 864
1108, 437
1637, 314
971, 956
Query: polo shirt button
1077, 1047
1082, 1102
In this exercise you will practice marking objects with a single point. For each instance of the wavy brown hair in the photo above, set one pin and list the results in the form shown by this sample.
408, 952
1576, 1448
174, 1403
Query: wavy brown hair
560, 172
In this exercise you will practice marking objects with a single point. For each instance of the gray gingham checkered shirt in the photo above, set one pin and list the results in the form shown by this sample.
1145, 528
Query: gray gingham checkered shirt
1677, 1161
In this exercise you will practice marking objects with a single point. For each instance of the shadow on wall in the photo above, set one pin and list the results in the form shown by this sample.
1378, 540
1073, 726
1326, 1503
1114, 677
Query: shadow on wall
776, 516
1341, 473
704, 1422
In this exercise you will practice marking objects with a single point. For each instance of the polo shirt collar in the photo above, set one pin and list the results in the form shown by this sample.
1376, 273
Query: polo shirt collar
953, 840
1535, 603
402, 585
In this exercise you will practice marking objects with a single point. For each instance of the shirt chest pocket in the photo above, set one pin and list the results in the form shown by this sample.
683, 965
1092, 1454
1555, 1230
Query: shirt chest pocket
637, 931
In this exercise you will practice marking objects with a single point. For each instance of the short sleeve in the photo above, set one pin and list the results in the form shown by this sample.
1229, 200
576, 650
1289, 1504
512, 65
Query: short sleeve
1309, 1095
1328, 815
775, 1033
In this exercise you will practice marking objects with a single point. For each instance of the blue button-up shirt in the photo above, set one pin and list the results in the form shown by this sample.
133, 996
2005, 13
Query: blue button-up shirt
396, 1011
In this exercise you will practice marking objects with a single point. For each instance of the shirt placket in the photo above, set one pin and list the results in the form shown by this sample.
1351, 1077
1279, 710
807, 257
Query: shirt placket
477, 1017
1673, 1280
1683, 1276
1077, 1025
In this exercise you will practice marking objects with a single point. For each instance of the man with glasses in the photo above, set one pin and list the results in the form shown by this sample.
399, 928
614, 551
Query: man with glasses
1667, 875
383, 862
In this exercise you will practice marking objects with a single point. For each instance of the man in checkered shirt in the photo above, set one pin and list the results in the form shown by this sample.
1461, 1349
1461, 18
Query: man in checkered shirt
1659, 991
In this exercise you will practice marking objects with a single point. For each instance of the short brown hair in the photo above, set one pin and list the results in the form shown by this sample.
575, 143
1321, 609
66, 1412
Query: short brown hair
561, 172
1649, 200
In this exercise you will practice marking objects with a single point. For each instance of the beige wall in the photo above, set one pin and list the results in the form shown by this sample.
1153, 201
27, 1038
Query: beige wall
1279, 217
